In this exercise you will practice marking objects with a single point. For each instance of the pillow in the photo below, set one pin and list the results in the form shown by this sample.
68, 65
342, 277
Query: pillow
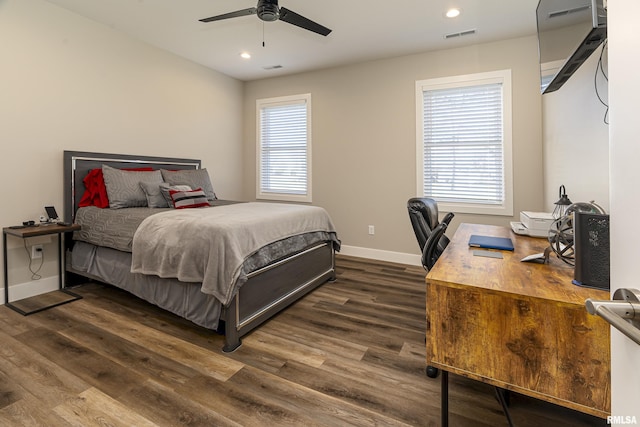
123, 187
165, 188
95, 193
194, 178
154, 196
189, 198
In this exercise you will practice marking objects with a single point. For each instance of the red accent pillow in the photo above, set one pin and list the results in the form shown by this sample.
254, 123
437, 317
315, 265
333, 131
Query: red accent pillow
95, 193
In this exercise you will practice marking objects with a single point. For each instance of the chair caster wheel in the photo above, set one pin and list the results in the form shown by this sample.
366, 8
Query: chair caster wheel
432, 372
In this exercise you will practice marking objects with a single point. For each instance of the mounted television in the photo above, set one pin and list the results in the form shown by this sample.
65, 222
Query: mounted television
569, 31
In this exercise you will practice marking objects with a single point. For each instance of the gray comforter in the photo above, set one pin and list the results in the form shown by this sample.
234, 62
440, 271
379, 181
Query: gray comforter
111, 228
210, 245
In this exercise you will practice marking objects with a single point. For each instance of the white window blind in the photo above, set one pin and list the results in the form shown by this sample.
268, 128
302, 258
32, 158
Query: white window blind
284, 148
465, 149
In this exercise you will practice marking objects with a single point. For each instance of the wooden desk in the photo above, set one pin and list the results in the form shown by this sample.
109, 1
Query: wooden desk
519, 326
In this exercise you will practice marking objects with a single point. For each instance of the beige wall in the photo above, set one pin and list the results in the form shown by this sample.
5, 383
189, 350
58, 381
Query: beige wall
68, 83
576, 138
364, 137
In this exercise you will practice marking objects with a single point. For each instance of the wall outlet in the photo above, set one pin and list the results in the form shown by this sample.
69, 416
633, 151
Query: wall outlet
36, 251
372, 230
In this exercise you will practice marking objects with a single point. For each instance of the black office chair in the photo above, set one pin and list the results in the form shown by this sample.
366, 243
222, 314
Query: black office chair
423, 213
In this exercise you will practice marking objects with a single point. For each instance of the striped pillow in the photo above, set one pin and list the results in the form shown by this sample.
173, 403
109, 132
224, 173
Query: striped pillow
166, 187
189, 198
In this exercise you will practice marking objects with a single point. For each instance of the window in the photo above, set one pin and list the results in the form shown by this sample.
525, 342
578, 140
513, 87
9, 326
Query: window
464, 142
284, 148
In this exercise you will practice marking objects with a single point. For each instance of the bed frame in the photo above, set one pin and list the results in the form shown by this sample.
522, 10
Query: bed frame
267, 291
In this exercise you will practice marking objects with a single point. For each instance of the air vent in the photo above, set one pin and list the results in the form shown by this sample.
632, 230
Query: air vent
568, 11
460, 34
272, 67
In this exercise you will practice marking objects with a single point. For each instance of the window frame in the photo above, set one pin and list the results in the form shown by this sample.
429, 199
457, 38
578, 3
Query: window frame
503, 76
276, 101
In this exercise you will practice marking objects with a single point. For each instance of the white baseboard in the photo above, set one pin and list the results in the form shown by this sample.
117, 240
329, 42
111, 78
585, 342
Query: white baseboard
381, 255
30, 289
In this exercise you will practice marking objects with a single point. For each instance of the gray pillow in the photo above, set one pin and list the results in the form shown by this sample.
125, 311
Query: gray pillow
194, 178
154, 196
123, 187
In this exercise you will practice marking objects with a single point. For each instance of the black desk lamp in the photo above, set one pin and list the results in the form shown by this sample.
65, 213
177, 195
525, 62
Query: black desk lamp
562, 204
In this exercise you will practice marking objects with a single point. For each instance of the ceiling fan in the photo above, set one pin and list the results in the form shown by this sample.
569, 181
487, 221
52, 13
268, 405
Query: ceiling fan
268, 11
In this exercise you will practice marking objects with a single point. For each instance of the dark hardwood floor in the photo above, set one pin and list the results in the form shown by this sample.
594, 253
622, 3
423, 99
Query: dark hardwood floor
350, 353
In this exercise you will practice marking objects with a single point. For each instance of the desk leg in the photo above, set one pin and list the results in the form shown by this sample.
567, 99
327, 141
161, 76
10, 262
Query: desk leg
444, 398
501, 395
60, 261
6, 272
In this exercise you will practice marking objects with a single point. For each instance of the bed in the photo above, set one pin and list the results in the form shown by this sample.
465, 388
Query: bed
226, 265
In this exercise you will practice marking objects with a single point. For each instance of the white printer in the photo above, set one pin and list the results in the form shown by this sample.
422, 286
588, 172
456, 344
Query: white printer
535, 224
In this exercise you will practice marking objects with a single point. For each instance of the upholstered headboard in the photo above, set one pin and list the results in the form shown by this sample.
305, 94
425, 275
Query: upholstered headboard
78, 163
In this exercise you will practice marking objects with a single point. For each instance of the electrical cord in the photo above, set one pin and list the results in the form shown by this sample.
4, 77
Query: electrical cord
600, 68
34, 274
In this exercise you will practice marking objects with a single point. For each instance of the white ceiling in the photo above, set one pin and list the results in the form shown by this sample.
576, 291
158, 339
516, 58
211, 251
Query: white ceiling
362, 30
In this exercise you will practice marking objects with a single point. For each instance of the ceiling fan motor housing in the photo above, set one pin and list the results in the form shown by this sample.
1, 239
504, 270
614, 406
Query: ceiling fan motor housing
268, 10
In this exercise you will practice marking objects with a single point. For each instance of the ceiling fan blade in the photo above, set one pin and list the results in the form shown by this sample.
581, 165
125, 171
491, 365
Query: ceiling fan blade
291, 17
236, 14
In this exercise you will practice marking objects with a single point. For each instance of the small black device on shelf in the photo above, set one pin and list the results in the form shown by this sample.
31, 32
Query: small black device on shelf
51, 213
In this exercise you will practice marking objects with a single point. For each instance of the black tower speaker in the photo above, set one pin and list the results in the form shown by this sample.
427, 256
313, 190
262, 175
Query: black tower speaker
591, 246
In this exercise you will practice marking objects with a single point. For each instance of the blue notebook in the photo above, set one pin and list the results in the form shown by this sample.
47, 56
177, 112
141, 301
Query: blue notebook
490, 242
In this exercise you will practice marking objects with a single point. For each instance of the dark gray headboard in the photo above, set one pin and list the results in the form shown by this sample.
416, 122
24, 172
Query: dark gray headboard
78, 163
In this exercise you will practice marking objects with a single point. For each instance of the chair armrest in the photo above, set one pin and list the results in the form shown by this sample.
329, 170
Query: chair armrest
431, 252
448, 217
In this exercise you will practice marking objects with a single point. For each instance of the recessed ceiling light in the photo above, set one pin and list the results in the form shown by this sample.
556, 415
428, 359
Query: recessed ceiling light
452, 13
245, 55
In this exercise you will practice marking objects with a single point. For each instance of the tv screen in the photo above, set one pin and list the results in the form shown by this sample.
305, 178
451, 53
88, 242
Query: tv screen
569, 31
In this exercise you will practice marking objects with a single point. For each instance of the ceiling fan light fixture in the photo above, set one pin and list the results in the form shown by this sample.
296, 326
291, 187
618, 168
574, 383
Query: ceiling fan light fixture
268, 12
